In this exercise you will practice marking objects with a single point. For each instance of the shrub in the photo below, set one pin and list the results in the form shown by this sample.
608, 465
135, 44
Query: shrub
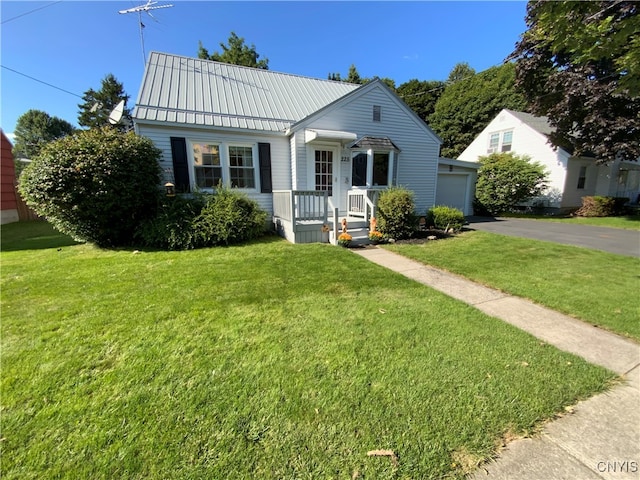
174, 227
96, 186
229, 217
598, 206
444, 218
396, 213
505, 180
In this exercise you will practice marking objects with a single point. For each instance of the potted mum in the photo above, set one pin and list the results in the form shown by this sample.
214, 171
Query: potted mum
344, 240
375, 237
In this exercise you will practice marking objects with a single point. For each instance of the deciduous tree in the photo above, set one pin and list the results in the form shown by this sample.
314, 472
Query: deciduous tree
469, 103
35, 129
421, 96
579, 64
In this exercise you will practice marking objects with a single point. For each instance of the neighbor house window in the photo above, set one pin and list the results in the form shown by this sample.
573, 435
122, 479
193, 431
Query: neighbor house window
582, 177
241, 167
494, 141
507, 137
207, 165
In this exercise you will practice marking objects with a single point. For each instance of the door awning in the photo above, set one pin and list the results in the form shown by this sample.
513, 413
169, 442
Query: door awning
314, 134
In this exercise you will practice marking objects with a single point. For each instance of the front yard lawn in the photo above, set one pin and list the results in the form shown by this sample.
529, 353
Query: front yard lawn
598, 287
627, 222
267, 360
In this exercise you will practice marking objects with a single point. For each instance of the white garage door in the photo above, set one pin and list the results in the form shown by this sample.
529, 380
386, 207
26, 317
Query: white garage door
452, 191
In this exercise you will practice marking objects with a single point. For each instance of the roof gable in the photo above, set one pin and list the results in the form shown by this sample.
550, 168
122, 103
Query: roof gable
193, 91
364, 90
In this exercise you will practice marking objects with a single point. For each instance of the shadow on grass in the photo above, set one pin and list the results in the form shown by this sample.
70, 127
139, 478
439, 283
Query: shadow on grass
34, 235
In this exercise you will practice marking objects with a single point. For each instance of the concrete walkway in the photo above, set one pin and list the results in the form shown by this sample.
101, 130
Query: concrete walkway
601, 439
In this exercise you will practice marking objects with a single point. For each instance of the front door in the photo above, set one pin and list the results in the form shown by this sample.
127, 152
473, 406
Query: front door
327, 173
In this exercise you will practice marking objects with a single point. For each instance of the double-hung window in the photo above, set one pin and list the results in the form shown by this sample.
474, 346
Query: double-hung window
207, 165
241, 167
500, 142
233, 165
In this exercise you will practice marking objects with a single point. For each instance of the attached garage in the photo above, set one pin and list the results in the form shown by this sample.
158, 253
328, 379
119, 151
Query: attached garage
456, 184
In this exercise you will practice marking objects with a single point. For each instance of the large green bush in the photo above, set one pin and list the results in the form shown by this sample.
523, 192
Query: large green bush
96, 186
396, 213
174, 226
505, 180
445, 218
229, 217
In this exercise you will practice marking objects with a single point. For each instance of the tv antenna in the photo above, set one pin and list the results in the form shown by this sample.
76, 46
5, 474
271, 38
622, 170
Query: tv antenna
147, 7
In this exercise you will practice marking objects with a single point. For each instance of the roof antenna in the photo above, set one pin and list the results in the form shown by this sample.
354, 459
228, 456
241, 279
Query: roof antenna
150, 5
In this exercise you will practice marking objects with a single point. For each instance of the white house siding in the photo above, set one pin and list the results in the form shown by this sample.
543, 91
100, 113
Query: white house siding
526, 141
280, 165
418, 158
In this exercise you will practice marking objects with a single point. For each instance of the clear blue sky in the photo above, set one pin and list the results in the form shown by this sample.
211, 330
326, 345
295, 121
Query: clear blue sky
74, 44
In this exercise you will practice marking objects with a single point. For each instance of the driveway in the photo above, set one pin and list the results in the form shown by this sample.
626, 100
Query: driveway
613, 240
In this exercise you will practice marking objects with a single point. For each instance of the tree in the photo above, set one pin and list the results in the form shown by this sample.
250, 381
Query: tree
466, 106
421, 96
35, 129
506, 180
97, 106
585, 80
236, 53
96, 186
460, 72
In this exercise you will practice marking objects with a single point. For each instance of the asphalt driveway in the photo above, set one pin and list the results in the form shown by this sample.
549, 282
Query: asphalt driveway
613, 240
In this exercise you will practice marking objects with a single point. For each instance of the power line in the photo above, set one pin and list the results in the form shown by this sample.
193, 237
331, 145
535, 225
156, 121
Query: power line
41, 81
30, 11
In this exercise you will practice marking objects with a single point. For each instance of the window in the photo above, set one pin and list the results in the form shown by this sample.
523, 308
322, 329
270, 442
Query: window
494, 140
496, 146
381, 168
371, 168
507, 137
241, 170
377, 111
207, 165
359, 170
582, 177
324, 171
233, 165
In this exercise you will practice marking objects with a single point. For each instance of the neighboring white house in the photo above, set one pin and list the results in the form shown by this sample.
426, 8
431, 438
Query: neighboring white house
307, 150
570, 178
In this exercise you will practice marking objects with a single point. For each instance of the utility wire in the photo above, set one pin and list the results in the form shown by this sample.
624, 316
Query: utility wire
27, 13
43, 82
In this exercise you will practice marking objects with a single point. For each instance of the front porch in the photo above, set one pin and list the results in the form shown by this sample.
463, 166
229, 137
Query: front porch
310, 216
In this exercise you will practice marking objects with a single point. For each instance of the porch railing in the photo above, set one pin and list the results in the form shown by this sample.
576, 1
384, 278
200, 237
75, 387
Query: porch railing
363, 202
301, 205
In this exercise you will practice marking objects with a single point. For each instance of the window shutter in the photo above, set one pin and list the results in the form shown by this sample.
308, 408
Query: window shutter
180, 164
264, 158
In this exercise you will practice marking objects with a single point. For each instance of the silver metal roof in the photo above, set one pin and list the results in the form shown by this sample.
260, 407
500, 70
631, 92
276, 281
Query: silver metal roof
192, 91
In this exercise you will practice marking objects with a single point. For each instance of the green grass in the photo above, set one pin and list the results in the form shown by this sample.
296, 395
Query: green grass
267, 360
600, 288
627, 222
32, 236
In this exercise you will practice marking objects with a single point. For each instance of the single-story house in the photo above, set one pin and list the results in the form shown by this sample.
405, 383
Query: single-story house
307, 150
8, 195
570, 177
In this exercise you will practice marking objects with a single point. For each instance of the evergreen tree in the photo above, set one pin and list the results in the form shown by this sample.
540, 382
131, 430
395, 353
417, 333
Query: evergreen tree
235, 53
98, 105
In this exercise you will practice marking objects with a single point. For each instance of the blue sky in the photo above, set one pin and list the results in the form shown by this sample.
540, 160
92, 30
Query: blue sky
73, 45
